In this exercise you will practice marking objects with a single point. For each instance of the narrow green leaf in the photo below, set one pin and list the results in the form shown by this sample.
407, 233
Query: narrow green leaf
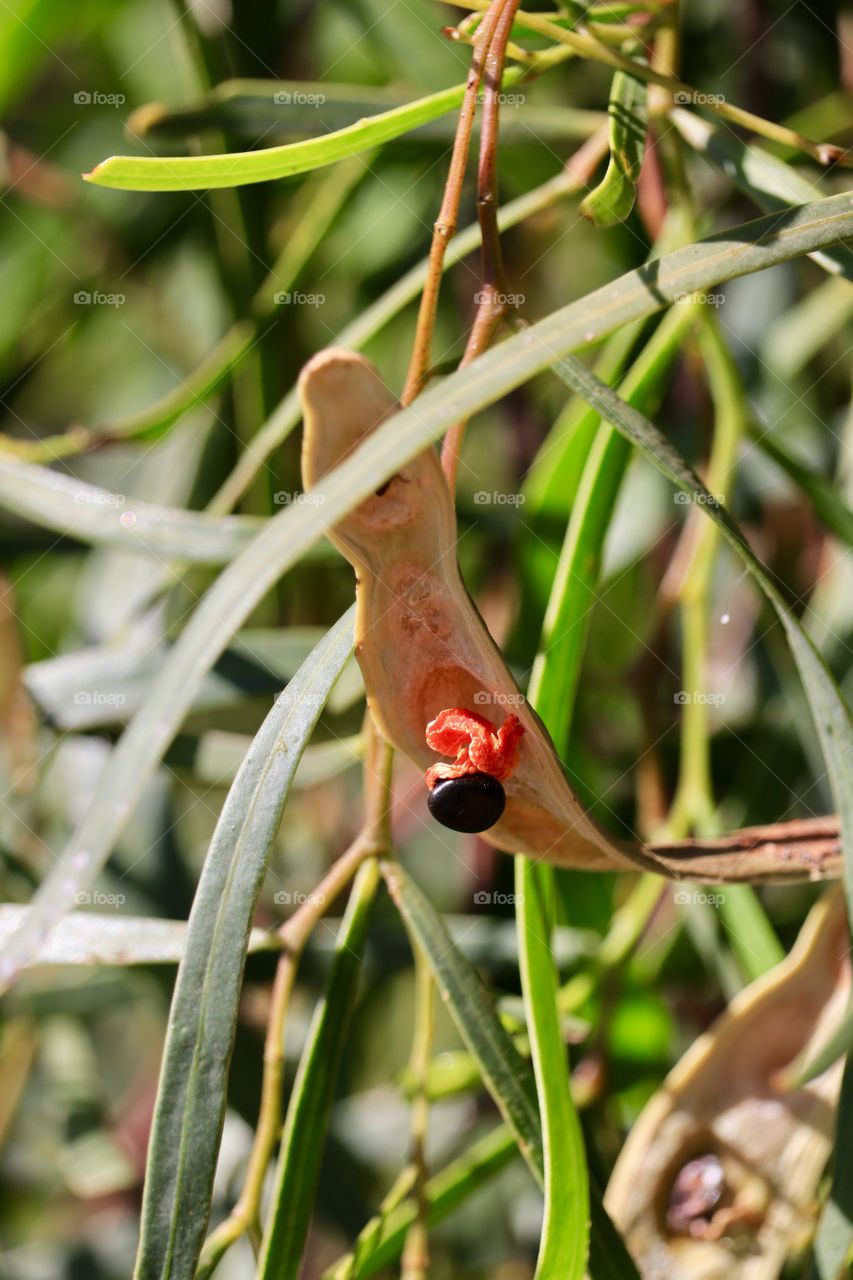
737, 251
94, 938
289, 108
828, 503
558, 664
313, 1092
101, 518
191, 1097
613, 199
751, 935
564, 1242
770, 182
840, 1042
831, 713
504, 1071
381, 1242
201, 173
835, 1229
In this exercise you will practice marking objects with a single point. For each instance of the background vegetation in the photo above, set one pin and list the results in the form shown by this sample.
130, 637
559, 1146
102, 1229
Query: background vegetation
146, 338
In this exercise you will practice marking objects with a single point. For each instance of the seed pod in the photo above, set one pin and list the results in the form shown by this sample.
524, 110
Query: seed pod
423, 647
719, 1175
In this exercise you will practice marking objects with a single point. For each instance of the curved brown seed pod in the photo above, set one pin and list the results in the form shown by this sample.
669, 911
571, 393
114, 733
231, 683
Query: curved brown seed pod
718, 1177
422, 647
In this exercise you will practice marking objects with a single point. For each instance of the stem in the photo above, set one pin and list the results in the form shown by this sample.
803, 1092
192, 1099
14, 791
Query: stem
586, 45
445, 225
415, 1263
492, 298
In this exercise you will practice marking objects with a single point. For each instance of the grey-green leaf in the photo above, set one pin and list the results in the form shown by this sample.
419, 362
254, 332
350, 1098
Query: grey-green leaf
191, 1098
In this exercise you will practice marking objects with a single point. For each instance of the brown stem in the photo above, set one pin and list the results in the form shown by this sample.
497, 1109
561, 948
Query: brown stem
445, 224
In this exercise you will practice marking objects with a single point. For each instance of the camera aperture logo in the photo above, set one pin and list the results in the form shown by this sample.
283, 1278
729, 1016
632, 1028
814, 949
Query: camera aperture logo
97, 98
294, 498
98, 698
484, 698
298, 98
483, 498
686, 696
294, 898
488, 898
296, 299
83, 298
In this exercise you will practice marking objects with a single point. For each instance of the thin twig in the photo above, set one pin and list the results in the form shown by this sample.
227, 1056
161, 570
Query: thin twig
586, 45
445, 224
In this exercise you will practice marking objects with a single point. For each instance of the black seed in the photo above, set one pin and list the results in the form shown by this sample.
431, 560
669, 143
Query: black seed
474, 802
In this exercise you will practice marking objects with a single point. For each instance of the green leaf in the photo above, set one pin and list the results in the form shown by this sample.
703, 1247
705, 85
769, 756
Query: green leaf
831, 714
313, 1091
613, 199
564, 1242
107, 684
558, 664
201, 173
504, 1071
737, 251
101, 518
827, 502
770, 182
751, 935
93, 938
835, 1229
191, 1097
250, 107
381, 1242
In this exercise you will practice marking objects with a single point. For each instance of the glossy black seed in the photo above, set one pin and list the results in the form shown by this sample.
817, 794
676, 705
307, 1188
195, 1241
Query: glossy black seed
474, 802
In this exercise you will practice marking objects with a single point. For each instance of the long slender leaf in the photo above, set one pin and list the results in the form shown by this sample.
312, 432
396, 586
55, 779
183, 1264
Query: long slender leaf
564, 1242
827, 502
768, 181
191, 1098
311, 1100
835, 1229
199, 173
102, 518
738, 251
94, 938
613, 199
504, 1071
257, 108
831, 713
